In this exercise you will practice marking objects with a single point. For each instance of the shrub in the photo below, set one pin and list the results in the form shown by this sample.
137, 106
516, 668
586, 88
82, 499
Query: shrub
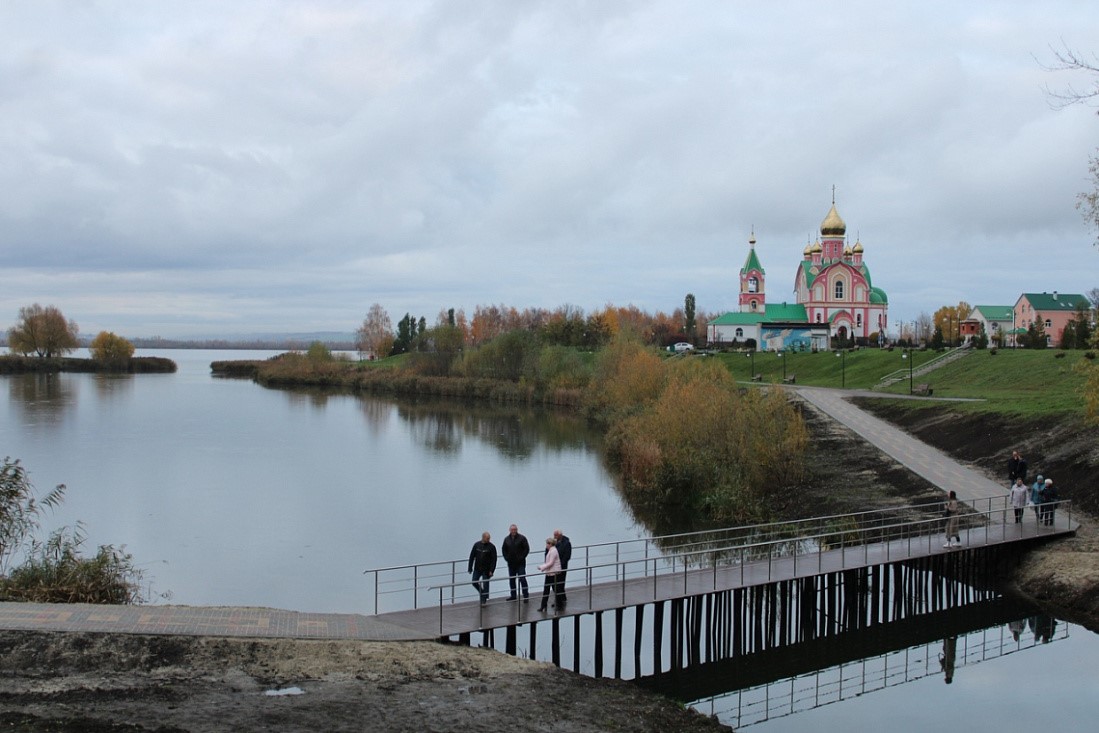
1089, 355
54, 571
1059, 355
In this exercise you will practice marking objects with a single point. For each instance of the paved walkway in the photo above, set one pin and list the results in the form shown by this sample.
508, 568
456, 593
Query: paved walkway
935, 466
931, 463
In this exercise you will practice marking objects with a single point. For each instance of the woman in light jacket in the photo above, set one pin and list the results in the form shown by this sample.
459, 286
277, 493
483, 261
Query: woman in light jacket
551, 567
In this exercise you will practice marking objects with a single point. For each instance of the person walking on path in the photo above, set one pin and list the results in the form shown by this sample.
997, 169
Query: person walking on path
552, 568
1019, 495
1036, 495
482, 563
515, 549
564, 551
1016, 468
950, 509
1049, 498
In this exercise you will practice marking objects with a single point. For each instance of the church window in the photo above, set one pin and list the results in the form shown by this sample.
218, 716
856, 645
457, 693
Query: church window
740, 333
819, 317
839, 289
753, 285
858, 320
754, 304
1049, 323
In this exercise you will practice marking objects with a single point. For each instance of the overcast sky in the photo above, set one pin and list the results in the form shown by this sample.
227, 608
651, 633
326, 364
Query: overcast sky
196, 168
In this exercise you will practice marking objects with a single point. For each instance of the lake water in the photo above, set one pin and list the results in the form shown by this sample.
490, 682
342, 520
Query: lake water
227, 493
230, 494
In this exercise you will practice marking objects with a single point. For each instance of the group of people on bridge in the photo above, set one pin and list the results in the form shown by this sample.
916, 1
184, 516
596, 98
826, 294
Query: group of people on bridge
515, 549
1042, 496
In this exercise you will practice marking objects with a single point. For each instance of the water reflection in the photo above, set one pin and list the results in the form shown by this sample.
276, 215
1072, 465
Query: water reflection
109, 386
784, 681
42, 399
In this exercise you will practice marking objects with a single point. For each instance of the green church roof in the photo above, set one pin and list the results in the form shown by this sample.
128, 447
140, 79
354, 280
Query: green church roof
752, 263
786, 312
878, 296
736, 318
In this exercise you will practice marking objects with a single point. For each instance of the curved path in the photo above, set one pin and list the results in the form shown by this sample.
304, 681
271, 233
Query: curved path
935, 466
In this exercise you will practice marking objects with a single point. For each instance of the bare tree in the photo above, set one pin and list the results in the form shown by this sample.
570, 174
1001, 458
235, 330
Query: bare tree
1069, 59
924, 327
375, 337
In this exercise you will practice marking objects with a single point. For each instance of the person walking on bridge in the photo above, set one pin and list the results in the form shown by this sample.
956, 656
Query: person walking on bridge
564, 551
1016, 468
552, 568
1049, 502
515, 549
482, 563
1036, 495
1019, 494
950, 509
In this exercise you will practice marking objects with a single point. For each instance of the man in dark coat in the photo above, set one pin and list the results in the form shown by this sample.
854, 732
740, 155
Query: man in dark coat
515, 549
564, 551
482, 563
1050, 497
1016, 468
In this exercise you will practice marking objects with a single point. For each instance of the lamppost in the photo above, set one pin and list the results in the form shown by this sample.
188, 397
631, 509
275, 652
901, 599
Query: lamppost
752, 355
911, 359
842, 354
782, 353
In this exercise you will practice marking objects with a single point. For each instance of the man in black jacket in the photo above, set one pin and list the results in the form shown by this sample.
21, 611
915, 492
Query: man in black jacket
564, 551
515, 549
482, 563
1016, 468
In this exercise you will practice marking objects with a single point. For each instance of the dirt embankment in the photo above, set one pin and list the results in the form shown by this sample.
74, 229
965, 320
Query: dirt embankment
1063, 577
103, 683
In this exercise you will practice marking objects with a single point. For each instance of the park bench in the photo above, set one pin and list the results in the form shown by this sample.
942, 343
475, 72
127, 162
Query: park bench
790, 379
923, 389
757, 378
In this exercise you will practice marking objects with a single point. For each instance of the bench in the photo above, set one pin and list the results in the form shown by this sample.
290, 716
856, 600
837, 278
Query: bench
924, 389
757, 378
790, 379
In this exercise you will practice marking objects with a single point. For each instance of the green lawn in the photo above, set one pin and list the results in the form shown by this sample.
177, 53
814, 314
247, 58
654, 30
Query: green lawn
1017, 382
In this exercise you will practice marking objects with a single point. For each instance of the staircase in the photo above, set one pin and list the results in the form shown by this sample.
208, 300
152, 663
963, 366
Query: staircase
928, 366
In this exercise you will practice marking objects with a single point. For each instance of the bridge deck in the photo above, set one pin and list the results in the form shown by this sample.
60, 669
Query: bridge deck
449, 619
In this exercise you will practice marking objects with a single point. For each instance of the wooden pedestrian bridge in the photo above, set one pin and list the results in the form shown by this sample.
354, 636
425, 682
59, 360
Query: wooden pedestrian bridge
701, 596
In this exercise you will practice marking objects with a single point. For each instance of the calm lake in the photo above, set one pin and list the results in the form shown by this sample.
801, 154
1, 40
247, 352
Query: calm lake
227, 493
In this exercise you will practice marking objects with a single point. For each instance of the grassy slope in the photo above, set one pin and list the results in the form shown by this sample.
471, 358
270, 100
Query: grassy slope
1021, 382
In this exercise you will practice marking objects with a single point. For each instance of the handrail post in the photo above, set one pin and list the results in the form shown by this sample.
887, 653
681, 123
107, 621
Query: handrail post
415, 586
441, 609
375, 592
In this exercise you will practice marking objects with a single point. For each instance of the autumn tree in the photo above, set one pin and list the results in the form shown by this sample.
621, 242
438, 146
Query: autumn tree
111, 350
689, 316
948, 319
374, 338
43, 332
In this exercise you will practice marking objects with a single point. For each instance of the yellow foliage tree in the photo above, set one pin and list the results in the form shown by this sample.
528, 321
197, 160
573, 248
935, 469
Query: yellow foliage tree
111, 349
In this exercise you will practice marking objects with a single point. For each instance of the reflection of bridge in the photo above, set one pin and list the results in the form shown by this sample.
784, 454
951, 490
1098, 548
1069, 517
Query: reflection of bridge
722, 594
788, 680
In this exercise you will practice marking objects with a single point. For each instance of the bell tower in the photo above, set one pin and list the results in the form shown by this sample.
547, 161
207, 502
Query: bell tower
752, 298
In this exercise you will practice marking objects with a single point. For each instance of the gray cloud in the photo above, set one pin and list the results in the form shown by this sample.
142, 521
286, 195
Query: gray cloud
188, 169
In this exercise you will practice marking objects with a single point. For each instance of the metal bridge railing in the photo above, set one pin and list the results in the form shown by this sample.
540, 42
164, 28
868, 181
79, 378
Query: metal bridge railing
687, 558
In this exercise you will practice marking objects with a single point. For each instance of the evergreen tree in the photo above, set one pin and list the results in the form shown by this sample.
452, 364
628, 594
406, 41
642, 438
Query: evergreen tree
689, 316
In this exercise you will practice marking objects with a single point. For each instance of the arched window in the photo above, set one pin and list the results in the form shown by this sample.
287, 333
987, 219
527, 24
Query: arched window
839, 289
820, 318
1049, 323
740, 333
753, 284
858, 320
754, 304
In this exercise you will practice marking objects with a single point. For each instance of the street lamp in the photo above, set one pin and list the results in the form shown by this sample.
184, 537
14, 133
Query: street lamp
782, 353
911, 359
752, 355
842, 355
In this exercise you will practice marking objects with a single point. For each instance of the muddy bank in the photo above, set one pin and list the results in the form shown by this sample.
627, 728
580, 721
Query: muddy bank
108, 683
1062, 577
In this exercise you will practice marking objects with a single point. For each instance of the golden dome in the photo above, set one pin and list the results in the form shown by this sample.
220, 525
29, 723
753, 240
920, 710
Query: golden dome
858, 248
846, 251
808, 250
833, 225
817, 248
